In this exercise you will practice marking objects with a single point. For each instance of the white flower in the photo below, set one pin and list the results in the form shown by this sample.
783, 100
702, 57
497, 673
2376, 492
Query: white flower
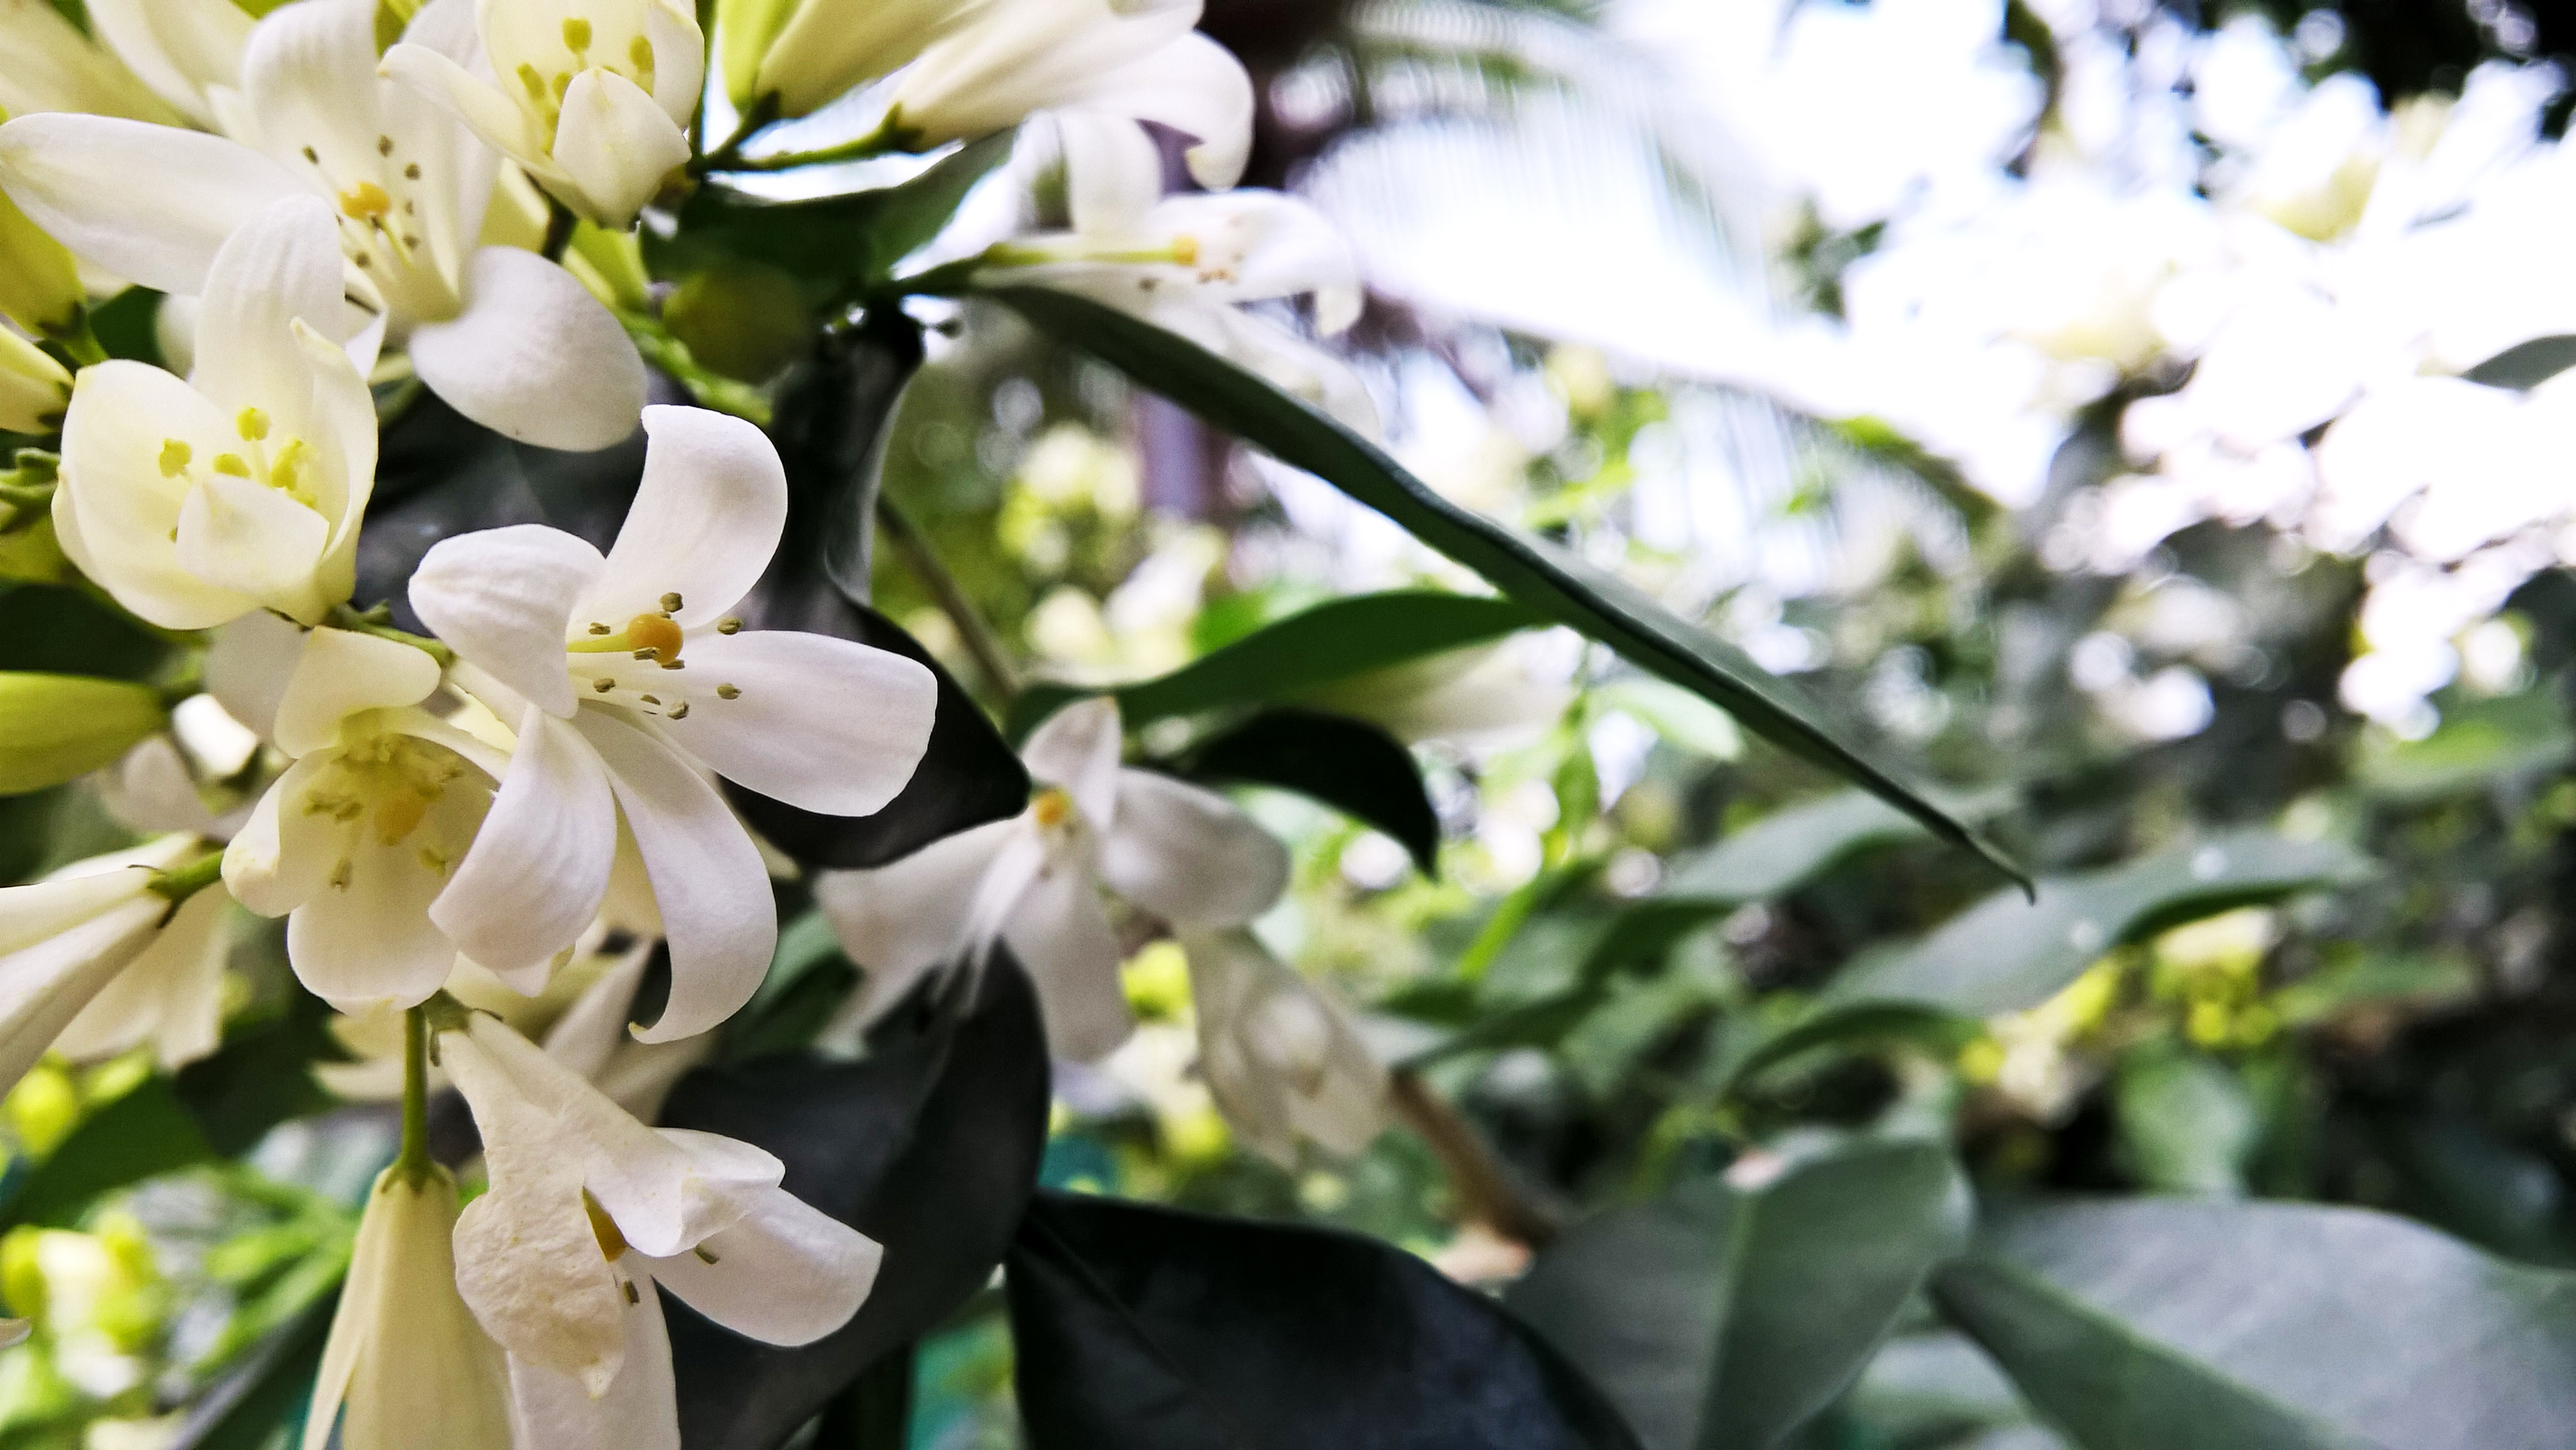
33, 387
195, 503
1183, 853
1142, 62
405, 1361
46, 64
627, 680
171, 997
594, 99
359, 837
188, 51
809, 52
63, 940
1280, 1054
505, 336
589, 1210
1190, 263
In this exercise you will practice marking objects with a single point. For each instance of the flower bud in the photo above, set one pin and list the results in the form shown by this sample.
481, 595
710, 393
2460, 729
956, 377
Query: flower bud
56, 727
808, 52
34, 389
1280, 1054
40, 288
406, 1365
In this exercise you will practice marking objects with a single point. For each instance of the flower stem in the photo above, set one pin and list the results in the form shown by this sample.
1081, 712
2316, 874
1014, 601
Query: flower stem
559, 224
885, 138
377, 621
415, 1165
181, 882
950, 597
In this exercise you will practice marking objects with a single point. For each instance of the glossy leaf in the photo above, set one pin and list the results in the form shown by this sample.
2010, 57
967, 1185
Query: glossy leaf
1350, 765
1548, 580
1725, 1312
853, 237
1786, 849
929, 1145
2006, 953
2526, 365
2186, 1123
2268, 1325
1332, 641
1150, 1328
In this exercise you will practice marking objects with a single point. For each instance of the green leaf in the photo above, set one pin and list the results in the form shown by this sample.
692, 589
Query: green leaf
854, 238
2526, 365
2153, 1323
2480, 741
1857, 1024
1786, 849
2187, 1124
1722, 1314
249, 1408
1314, 647
2006, 954
1682, 718
145, 1132
1350, 765
1547, 579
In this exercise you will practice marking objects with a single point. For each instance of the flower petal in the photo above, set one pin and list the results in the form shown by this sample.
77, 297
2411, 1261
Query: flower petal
248, 665
1077, 749
282, 267
900, 920
115, 509
470, 99
638, 1410
786, 1274
342, 672
1060, 933
503, 599
255, 541
405, 1353
279, 861
1187, 855
539, 866
708, 878
704, 523
31, 914
367, 937
153, 204
1113, 173
825, 724
616, 146
45, 986
533, 356
1196, 87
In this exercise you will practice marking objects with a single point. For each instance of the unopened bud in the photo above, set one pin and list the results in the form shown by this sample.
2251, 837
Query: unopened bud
40, 289
34, 389
56, 727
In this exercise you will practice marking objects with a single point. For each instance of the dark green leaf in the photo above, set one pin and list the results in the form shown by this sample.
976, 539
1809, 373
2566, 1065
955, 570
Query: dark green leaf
127, 325
1330, 642
2526, 364
145, 1132
1856, 1024
929, 1145
2187, 1124
1722, 1314
2479, 742
251, 1407
2152, 1323
1786, 849
63, 631
2005, 953
1149, 1328
853, 238
1539, 575
260, 1077
1350, 765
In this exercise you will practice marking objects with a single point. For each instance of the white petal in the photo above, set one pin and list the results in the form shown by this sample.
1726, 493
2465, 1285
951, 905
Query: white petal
115, 511
182, 49
1077, 749
172, 995
1196, 87
639, 1410
533, 356
703, 525
1113, 173
309, 79
786, 1274
680, 53
1187, 855
369, 939
476, 102
248, 665
282, 267
150, 203
900, 920
825, 724
45, 986
405, 1354
540, 864
281, 857
254, 541
708, 878
594, 1026
31, 914
616, 146
342, 672
1061, 934
503, 599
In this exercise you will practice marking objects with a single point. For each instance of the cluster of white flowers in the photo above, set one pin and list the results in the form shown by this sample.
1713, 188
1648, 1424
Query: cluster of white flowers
458, 817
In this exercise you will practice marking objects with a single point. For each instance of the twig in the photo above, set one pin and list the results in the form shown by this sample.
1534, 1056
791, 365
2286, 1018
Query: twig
951, 598
1485, 1191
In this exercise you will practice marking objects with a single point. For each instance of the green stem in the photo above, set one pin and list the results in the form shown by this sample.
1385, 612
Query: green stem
81, 344
374, 622
950, 596
415, 1165
762, 112
181, 882
885, 138
559, 224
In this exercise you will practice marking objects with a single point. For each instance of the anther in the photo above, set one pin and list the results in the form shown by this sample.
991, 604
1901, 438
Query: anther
313, 156
670, 603
535, 83
679, 711
598, 628
728, 692
730, 624
231, 463
703, 1256
341, 873
631, 1296
174, 457
252, 424
603, 685
365, 202
576, 35
648, 652
411, 173
384, 146
639, 53
650, 699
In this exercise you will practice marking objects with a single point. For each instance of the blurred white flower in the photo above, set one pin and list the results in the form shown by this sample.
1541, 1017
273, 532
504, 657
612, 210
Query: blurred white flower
589, 1210
628, 683
50, 65
593, 99
1280, 1053
65, 939
1034, 881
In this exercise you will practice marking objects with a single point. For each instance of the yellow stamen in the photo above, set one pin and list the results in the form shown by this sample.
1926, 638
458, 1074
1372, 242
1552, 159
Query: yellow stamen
365, 202
252, 424
576, 34
174, 457
603, 1228
231, 463
1051, 807
655, 632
